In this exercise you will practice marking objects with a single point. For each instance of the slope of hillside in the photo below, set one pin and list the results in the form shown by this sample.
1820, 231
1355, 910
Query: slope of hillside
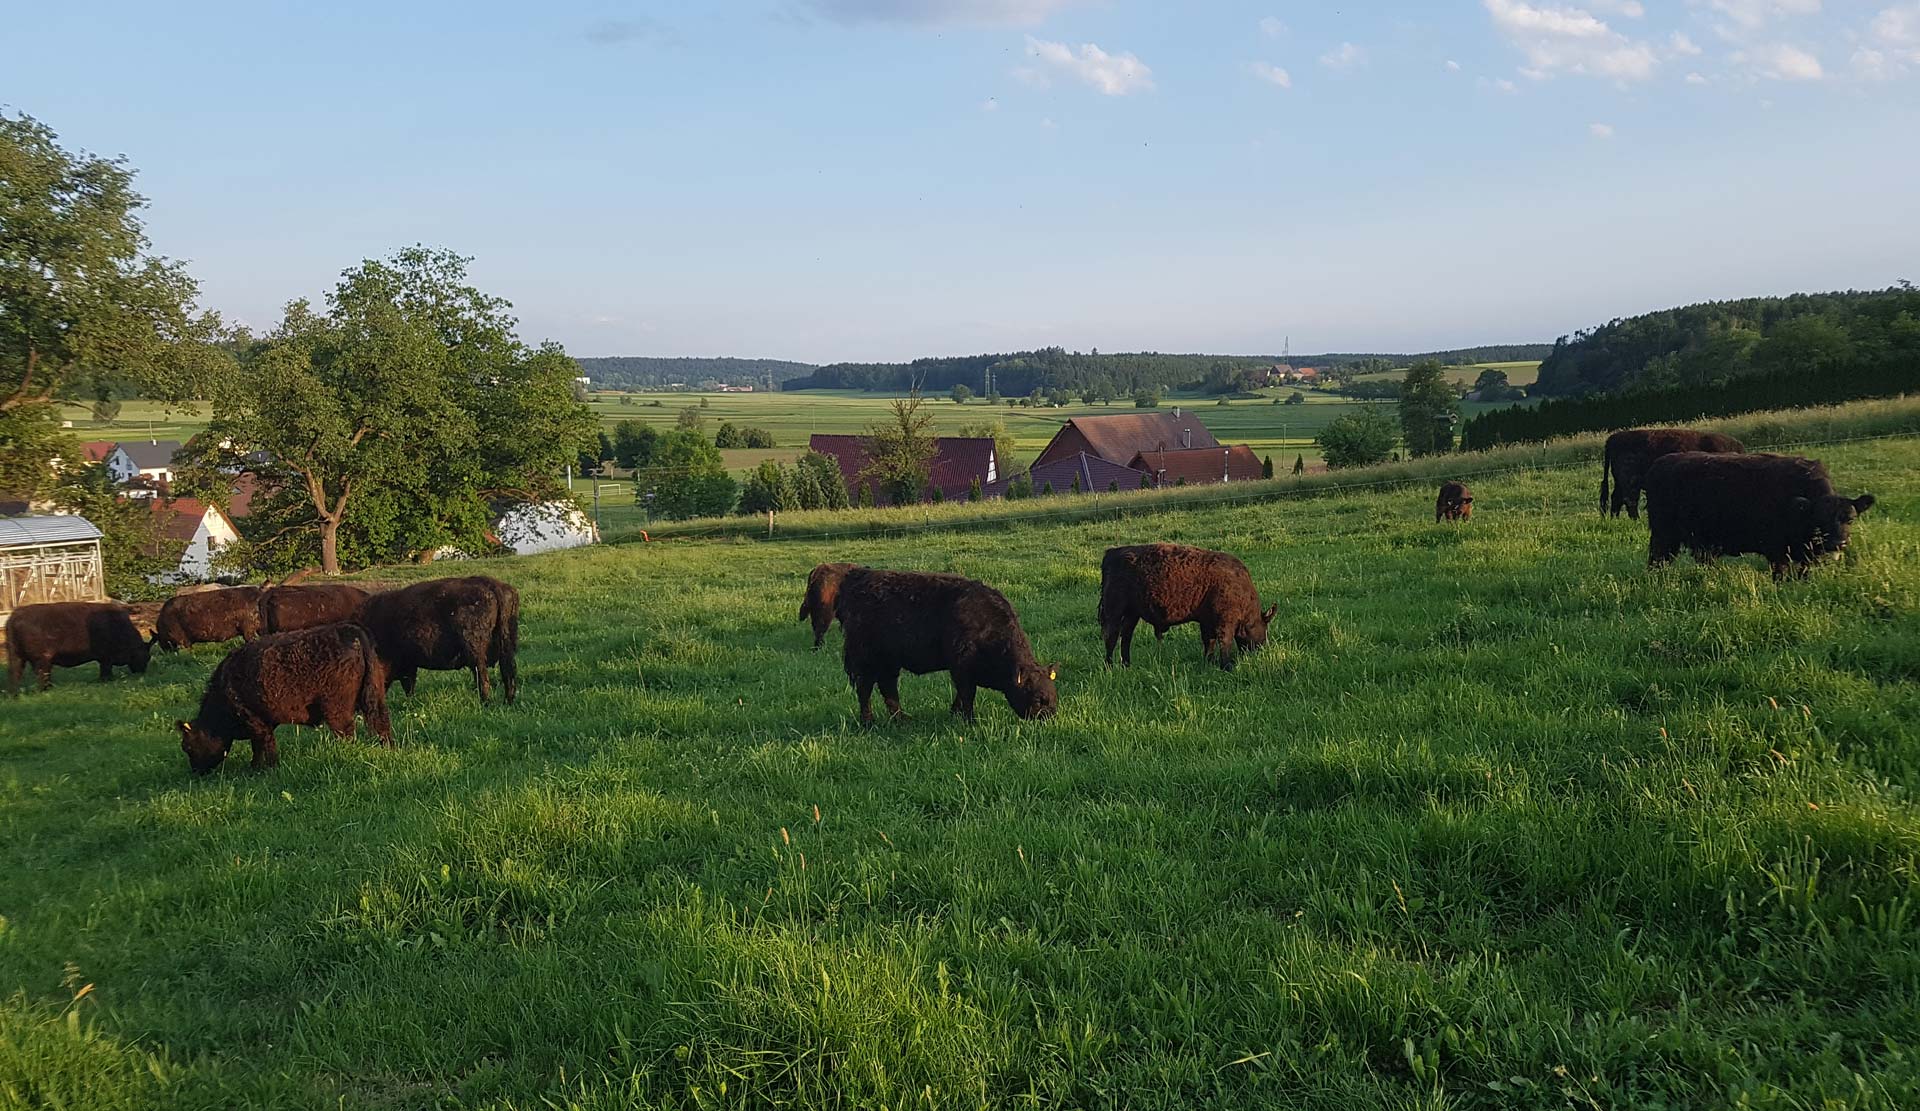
1498, 818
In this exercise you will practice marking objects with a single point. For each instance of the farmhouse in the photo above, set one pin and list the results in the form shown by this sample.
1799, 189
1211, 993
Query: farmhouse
1120, 439
49, 559
203, 528
1087, 473
1200, 466
958, 462
150, 459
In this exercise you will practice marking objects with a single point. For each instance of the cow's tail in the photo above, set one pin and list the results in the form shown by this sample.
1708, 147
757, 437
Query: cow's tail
505, 646
1606, 464
373, 689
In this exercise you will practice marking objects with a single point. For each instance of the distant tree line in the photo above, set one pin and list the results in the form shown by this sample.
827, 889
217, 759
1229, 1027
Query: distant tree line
626, 372
1826, 336
1779, 390
1461, 356
1022, 373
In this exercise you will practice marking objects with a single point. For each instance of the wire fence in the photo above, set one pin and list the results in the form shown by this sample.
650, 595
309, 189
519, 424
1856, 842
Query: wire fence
1116, 507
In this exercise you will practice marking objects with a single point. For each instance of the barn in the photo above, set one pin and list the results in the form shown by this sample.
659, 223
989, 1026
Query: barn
49, 559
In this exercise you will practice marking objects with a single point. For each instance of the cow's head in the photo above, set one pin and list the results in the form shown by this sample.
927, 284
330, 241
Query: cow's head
205, 751
1032, 695
142, 652
1828, 521
1253, 634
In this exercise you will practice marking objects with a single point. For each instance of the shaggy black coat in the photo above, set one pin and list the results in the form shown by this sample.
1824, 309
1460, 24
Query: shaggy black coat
68, 634
911, 621
208, 617
448, 625
1171, 584
1455, 503
317, 676
1629, 454
287, 608
1777, 506
823, 592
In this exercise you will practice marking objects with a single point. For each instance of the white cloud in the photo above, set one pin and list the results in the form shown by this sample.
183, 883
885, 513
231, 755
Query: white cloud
1632, 9
1344, 56
1872, 65
991, 13
1752, 15
1453, 66
1600, 130
1271, 74
1554, 37
1112, 74
1696, 79
1897, 29
1272, 28
1779, 62
1682, 46
990, 105
1498, 84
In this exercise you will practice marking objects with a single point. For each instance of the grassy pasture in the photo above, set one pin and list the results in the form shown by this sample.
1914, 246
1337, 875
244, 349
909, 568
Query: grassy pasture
1518, 374
1498, 819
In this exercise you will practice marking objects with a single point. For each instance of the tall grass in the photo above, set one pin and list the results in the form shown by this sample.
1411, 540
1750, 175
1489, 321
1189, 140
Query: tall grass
1498, 819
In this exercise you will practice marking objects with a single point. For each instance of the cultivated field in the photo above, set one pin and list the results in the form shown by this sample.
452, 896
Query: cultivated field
1498, 819
1518, 374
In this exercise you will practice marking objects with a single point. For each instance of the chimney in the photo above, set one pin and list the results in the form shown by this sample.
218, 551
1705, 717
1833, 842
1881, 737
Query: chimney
1186, 438
1176, 412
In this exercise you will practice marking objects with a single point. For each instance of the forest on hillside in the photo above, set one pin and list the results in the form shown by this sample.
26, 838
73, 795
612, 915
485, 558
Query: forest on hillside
1718, 342
628, 372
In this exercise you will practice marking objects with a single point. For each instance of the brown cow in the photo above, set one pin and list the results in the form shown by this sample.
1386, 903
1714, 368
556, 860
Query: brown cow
68, 634
208, 617
1455, 503
320, 676
1172, 584
289, 608
823, 590
1628, 455
907, 620
1777, 506
447, 625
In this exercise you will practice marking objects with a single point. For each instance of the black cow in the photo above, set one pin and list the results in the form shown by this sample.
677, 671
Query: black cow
912, 621
1629, 454
823, 594
208, 617
68, 634
448, 625
1777, 506
1172, 584
320, 676
1455, 503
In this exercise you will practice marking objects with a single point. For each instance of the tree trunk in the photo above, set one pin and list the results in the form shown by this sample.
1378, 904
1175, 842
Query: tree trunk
330, 545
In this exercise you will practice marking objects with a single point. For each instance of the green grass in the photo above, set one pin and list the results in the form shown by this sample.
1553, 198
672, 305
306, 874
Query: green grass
1518, 374
1498, 819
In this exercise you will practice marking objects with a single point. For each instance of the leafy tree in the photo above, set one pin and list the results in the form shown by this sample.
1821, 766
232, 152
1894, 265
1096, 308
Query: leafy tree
1358, 439
634, 444
936, 495
706, 402
1492, 385
1046, 490
579, 391
1146, 482
1296, 398
1076, 483
1428, 409
1146, 399
824, 474
866, 495
728, 436
961, 393
765, 489
690, 418
900, 452
688, 477
1089, 394
401, 412
756, 437
1113, 487
1059, 398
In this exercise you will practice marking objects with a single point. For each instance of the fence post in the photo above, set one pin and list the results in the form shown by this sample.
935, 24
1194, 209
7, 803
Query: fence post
769, 522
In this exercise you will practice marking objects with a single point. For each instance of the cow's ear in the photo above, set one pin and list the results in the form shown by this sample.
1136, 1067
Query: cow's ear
1267, 615
1863, 503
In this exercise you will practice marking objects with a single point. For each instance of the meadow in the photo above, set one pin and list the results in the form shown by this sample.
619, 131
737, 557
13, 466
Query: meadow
1518, 374
1497, 819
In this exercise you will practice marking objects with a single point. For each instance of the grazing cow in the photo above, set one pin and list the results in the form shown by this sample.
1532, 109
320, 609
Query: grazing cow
320, 676
1628, 455
1455, 503
447, 625
907, 620
1171, 584
68, 634
823, 590
209, 617
1777, 506
285, 609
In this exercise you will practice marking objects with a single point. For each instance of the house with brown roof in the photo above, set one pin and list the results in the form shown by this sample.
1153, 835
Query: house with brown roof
202, 528
1084, 472
1200, 466
1121, 438
958, 462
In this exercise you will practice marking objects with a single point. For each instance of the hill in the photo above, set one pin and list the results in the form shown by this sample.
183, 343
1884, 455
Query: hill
1498, 818
1716, 342
630, 372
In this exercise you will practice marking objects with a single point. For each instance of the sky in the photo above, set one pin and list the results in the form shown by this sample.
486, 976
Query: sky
828, 180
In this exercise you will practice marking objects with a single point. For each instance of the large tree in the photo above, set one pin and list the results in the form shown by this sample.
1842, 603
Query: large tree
900, 452
400, 413
1428, 409
1358, 439
86, 312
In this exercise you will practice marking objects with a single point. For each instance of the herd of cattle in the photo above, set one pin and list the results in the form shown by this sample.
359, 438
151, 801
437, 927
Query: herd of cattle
320, 655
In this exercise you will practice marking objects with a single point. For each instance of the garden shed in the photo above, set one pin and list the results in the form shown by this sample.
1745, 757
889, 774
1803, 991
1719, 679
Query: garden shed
49, 559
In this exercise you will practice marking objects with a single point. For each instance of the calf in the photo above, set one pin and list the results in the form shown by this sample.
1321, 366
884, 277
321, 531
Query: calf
68, 634
823, 590
208, 617
447, 625
1172, 584
288, 608
1455, 503
319, 676
1628, 455
906, 620
1777, 506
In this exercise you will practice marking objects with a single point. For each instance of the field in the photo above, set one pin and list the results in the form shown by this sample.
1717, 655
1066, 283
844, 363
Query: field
1518, 374
1498, 819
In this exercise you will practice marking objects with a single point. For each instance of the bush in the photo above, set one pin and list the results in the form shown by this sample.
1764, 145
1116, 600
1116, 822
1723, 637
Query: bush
687, 478
756, 437
1359, 439
728, 436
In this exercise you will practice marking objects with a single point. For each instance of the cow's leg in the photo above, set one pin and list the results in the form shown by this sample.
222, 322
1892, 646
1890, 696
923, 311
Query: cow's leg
407, 676
963, 692
1661, 550
1633, 502
476, 652
106, 671
820, 626
1216, 643
266, 753
1126, 642
863, 689
890, 692
45, 672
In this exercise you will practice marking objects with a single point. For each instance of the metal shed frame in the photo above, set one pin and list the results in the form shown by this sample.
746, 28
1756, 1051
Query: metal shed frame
49, 559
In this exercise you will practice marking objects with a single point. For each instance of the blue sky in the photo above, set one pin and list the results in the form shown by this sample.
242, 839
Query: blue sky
881, 179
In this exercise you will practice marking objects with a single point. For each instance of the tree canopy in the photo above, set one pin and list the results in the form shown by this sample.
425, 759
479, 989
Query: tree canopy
1358, 439
1428, 409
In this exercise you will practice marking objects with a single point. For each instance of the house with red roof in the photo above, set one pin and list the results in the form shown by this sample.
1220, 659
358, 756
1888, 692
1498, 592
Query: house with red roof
1170, 449
1200, 466
958, 462
202, 528
1119, 438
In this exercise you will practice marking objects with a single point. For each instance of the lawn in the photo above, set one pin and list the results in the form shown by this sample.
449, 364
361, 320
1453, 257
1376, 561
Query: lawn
1498, 819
